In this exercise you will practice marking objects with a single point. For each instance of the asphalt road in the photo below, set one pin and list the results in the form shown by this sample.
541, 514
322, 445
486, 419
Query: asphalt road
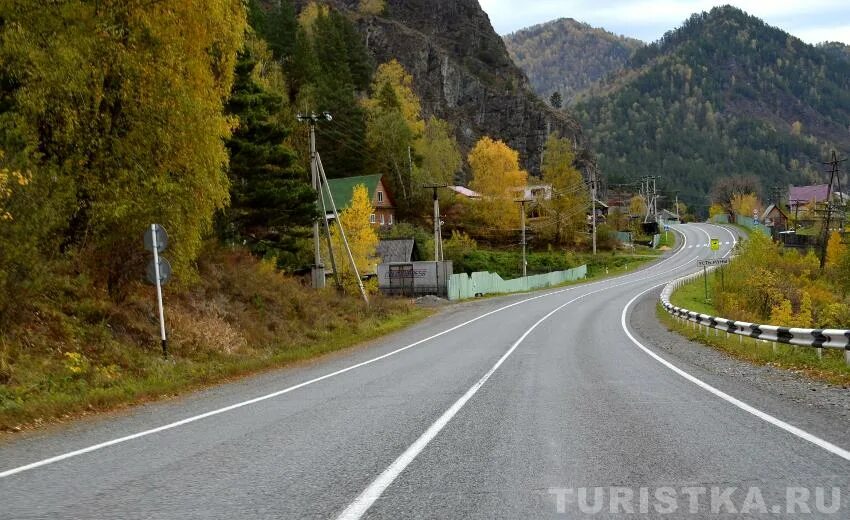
546, 405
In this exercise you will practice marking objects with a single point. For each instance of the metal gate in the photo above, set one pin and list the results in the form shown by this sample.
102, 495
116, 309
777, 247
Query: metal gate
401, 280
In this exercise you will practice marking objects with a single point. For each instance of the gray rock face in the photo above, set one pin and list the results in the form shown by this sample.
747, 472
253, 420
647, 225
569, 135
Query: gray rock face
463, 73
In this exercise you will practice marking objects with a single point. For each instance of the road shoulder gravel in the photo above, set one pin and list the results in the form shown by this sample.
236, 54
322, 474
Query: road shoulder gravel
818, 407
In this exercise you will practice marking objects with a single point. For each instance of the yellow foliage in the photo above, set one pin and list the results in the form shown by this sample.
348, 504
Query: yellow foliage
8, 181
782, 315
362, 239
393, 75
834, 249
716, 210
309, 15
805, 317
570, 202
126, 102
744, 204
372, 7
439, 153
637, 205
497, 176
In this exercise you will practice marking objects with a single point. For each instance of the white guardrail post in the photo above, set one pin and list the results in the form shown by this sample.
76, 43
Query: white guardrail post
815, 338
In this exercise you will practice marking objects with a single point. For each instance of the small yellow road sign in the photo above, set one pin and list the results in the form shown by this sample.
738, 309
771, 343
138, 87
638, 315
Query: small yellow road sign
715, 244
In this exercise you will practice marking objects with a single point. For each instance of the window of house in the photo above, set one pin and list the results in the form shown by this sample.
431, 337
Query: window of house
372, 218
391, 219
380, 196
382, 220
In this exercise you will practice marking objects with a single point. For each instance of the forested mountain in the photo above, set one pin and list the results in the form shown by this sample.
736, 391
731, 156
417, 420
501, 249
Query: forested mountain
724, 95
837, 49
461, 71
567, 56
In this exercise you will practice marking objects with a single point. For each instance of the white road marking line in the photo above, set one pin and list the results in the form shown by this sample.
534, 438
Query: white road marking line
188, 420
802, 434
364, 501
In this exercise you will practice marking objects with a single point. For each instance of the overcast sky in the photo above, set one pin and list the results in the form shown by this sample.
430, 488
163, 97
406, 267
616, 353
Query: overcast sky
812, 21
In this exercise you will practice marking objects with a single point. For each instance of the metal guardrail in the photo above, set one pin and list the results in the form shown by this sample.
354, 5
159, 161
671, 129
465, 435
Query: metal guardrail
816, 338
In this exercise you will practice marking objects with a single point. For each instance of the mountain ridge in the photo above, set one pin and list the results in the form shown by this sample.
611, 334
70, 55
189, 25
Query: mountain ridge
568, 56
724, 94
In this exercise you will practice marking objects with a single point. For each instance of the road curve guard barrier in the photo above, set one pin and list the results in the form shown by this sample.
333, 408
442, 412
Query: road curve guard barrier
817, 338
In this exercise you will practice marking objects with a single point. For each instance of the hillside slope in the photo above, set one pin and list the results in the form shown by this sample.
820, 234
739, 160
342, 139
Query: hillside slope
723, 95
567, 56
462, 72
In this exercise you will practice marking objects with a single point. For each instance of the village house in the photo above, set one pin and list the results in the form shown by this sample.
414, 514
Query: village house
383, 205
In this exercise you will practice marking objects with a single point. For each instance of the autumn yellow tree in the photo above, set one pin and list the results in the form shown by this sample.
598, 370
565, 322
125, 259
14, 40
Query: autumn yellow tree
716, 210
782, 315
371, 7
9, 180
124, 103
497, 176
362, 239
392, 79
744, 204
566, 210
637, 206
394, 126
835, 249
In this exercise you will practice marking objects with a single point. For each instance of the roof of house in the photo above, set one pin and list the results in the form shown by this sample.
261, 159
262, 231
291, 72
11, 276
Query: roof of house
396, 250
466, 192
342, 190
766, 214
805, 194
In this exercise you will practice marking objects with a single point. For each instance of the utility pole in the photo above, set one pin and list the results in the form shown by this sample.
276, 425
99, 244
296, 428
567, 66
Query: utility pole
593, 205
678, 217
834, 164
437, 226
323, 179
524, 241
318, 267
438, 236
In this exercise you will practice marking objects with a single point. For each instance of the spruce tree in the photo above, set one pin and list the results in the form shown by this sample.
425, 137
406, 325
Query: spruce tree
272, 202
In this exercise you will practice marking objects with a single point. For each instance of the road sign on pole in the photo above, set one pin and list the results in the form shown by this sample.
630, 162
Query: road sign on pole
156, 236
156, 240
713, 262
164, 271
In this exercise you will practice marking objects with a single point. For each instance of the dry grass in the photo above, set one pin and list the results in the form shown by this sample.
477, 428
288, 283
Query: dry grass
78, 352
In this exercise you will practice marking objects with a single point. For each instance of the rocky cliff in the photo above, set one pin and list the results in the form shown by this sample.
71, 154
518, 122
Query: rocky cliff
463, 72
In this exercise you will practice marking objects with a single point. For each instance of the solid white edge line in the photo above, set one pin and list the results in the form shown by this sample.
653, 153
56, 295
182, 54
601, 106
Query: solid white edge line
802, 434
356, 509
376, 488
188, 420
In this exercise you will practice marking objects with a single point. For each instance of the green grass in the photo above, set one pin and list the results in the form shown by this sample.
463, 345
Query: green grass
668, 239
691, 296
831, 368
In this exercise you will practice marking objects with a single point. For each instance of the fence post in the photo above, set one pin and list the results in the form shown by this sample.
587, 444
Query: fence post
820, 353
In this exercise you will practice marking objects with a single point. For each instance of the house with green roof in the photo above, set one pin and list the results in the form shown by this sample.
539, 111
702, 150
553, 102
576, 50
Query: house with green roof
342, 191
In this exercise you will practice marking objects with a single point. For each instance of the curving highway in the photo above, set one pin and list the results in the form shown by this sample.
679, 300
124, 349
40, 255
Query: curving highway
513, 407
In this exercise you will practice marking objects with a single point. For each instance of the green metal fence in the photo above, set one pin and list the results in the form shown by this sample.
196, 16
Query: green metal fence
463, 286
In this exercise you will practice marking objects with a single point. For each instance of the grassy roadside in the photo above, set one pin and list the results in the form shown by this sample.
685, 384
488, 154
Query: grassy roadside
691, 296
80, 354
831, 368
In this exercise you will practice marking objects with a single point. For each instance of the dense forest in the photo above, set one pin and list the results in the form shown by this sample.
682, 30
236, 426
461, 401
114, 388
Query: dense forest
723, 95
567, 56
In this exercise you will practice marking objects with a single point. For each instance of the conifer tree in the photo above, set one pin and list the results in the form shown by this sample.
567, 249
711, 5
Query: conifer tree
271, 200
